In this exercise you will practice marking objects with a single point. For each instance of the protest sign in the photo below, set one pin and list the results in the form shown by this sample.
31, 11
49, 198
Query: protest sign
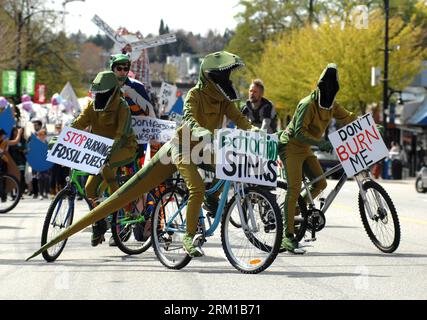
167, 97
152, 129
246, 156
36, 155
80, 150
7, 121
358, 145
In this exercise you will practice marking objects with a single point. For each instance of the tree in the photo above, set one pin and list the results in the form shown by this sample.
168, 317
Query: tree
36, 47
8, 38
292, 63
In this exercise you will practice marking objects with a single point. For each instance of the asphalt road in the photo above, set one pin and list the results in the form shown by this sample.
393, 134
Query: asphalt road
341, 264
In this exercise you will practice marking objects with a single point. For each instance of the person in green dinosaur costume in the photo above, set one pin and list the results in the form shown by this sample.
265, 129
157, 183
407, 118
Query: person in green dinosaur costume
310, 121
205, 106
108, 115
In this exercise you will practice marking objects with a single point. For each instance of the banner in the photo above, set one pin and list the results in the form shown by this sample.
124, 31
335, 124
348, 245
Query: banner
80, 150
40, 93
167, 97
8, 83
358, 145
246, 156
28, 85
152, 129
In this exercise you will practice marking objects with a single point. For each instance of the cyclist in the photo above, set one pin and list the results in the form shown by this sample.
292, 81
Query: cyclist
135, 95
108, 115
205, 106
308, 124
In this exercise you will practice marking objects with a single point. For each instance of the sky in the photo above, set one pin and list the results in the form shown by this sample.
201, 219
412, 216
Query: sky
197, 16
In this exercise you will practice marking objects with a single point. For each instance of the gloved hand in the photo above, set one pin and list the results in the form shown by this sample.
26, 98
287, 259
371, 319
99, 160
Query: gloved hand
380, 129
256, 129
325, 145
52, 141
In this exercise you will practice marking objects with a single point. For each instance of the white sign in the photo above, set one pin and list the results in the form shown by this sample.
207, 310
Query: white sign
80, 150
149, 129
358, 145
118, 39
167, 97
176, 117
246, 156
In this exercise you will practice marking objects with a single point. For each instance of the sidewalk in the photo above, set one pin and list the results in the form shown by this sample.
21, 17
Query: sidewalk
410, 180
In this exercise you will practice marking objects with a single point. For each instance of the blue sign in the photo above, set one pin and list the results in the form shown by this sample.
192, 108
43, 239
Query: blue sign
37, 153
178, 106
7, 121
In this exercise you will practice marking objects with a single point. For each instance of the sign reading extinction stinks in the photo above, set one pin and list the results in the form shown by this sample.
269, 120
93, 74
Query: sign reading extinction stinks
246, 156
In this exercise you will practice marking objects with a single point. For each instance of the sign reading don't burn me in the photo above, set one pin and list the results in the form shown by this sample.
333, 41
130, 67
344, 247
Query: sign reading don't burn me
80, 150
358, 145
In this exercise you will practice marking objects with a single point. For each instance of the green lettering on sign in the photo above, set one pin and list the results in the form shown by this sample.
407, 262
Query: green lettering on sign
8, 87
28, 82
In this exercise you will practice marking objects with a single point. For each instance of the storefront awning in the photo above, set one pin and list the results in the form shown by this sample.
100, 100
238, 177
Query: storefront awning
420, 116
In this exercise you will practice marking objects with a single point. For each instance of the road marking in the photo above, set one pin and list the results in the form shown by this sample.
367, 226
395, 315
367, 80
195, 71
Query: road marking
409, 219
402, 218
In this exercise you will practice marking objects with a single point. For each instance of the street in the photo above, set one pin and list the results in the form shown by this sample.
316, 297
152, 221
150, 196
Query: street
341, 264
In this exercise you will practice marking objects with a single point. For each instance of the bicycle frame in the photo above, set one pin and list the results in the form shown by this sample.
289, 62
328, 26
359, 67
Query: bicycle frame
334, 192
225, 185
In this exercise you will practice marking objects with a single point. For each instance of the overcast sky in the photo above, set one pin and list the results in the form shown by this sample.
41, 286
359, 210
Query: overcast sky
197, 16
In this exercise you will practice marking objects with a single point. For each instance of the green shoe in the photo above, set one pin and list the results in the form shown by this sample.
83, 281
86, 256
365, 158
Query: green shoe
190, 248
290, 244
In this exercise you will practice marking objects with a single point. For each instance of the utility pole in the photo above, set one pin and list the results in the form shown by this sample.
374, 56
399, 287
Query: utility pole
18, 58
386, 53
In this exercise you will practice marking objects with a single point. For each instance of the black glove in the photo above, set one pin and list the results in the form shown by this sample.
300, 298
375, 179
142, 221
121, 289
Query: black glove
52, 141
325, 145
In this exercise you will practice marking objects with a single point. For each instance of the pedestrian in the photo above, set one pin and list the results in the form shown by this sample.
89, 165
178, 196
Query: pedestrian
259, 110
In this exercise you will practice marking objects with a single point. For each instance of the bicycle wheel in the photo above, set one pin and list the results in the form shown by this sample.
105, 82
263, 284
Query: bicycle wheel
59, 216
132, 232
168, 229
301, 221
383, 228
10, 193
252, 250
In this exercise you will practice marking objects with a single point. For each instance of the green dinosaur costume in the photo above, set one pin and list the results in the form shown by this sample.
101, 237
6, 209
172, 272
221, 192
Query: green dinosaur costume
205, 106
108, 116
312, 117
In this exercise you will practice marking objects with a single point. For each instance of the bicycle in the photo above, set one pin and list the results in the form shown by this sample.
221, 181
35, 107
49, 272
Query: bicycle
375, 206
131, 227
127, 229
250, 245
10, 192
60, 214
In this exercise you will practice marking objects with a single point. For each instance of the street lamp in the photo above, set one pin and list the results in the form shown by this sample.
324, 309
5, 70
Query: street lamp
386, 52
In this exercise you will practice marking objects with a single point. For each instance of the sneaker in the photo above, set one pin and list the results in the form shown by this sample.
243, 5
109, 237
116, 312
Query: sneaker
291, 244
98, 230
189, 247
40, 197
210, 205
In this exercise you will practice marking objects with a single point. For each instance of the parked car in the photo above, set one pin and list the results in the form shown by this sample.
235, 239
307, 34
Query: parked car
328, 160
421, 181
